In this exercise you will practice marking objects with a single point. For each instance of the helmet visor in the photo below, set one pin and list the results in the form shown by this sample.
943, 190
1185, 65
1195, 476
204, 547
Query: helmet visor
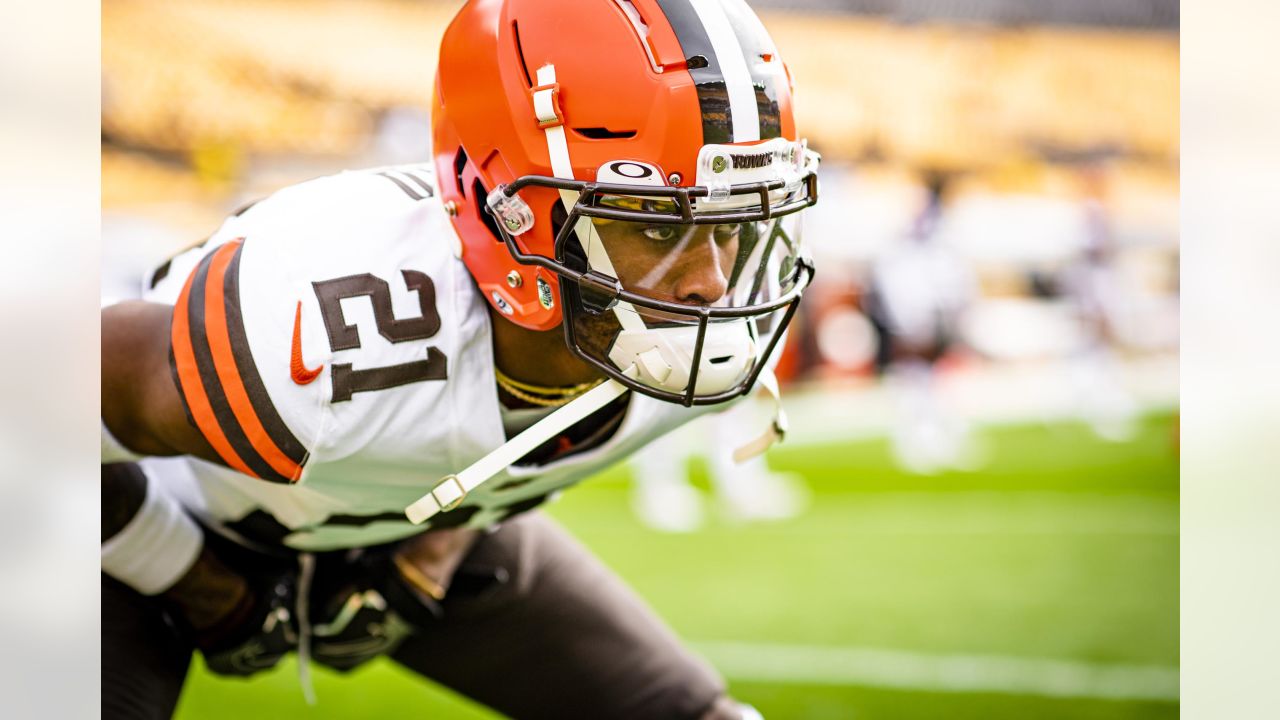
671, 273
721, 265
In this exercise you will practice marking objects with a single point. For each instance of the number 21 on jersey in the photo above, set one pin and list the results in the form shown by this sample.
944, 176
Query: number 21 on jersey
343, 335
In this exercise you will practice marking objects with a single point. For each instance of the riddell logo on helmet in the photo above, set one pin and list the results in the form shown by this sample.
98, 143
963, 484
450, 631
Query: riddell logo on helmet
751, 162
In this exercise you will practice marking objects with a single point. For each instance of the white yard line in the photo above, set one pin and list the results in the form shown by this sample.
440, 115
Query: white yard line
869, 667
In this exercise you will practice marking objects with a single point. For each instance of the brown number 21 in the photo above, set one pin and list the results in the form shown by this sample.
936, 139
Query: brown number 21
343, 336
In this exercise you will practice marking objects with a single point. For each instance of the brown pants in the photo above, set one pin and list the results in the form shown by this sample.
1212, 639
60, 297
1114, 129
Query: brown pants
534, 626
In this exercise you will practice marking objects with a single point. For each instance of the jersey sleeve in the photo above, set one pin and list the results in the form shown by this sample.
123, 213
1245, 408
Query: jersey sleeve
309, 327
218, 378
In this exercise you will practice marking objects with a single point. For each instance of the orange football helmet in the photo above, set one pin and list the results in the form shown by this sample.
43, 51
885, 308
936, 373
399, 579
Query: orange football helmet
629, 169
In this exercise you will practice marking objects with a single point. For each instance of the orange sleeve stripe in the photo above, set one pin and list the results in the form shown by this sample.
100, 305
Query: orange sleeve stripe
215, 318
193, 388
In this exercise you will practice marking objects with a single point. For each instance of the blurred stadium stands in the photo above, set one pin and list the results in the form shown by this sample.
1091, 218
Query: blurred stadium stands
210, 86
1139, 14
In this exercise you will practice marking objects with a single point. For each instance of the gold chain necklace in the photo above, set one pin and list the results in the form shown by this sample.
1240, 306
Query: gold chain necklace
540, 395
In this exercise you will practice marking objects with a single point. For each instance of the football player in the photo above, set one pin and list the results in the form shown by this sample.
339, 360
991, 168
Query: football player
323, 427
920, 291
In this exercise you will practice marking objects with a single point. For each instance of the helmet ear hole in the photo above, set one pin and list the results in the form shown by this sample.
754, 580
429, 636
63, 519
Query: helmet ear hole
459, 163
574, 256
482, 210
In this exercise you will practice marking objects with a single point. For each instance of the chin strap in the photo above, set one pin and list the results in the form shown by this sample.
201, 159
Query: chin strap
550, 117
453, 489
301, 608
546, 107
777, 429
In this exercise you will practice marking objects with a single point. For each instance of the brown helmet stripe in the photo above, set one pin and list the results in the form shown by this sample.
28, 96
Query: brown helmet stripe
706, 67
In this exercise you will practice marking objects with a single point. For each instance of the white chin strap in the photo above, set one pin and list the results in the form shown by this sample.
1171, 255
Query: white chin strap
453, 489
450, 492
776, 429
546, 108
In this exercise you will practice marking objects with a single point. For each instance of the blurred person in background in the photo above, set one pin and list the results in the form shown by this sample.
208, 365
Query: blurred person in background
544, 300
1096, 289
919, 291
665, 499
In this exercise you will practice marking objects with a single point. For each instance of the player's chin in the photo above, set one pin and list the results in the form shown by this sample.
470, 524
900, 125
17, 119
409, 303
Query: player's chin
596, 331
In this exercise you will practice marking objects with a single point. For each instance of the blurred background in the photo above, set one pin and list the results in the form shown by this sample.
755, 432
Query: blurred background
975, 513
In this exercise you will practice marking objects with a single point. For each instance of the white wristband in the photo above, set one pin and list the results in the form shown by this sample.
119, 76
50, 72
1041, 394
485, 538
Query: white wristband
113, 450
156, 548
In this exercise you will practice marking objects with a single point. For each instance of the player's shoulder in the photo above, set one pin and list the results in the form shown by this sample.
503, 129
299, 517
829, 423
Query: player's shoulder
394, 188
321, 225
380, 222
375, 205
310, 321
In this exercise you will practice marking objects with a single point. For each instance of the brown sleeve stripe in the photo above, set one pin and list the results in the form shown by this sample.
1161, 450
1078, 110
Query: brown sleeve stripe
210, 382
212, 370
265, 409
191, 384
224, 362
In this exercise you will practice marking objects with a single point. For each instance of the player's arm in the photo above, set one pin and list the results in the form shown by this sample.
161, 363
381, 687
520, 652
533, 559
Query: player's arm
141, 403
182, 378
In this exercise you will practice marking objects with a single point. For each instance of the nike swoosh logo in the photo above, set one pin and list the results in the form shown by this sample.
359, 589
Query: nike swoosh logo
297, 370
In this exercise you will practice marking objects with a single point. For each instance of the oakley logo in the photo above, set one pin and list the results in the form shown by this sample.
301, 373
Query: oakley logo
631, 170
750, 162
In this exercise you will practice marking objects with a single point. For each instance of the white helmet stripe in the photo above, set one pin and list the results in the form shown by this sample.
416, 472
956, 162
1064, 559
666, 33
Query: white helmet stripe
733, 66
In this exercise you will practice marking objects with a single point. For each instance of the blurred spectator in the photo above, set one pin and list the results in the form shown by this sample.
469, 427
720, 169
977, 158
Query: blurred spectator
920, 289
1095, 288
664, 499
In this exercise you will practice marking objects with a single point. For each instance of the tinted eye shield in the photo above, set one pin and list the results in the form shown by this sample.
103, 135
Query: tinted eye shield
596, 292
602, 291
682, 197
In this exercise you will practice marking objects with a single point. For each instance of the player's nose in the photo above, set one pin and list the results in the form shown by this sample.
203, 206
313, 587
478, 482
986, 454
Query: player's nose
702, 279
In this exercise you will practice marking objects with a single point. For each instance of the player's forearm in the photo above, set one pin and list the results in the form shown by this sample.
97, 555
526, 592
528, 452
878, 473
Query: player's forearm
140, 403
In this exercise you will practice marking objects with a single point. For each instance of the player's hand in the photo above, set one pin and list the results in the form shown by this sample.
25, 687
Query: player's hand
265, 635
362, 609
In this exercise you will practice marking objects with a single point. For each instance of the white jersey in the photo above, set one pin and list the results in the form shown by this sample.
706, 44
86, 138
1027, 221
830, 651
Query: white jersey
337, 356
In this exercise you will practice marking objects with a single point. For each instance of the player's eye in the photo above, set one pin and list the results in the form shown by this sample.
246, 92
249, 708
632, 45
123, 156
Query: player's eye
725, 233
660, 205
660, 233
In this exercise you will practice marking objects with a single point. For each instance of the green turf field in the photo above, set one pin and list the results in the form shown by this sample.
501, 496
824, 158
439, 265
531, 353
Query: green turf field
1043, 586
